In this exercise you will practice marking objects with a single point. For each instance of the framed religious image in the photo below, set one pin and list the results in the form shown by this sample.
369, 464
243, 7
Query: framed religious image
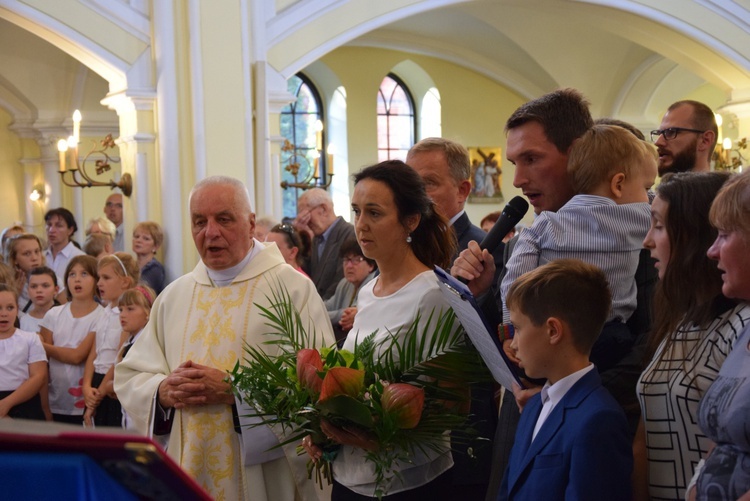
486, 174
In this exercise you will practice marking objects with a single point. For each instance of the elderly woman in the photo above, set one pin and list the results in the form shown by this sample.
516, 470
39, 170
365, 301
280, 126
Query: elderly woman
398, 227
342, 306
101, 226
147, 239
724, 412
695, 326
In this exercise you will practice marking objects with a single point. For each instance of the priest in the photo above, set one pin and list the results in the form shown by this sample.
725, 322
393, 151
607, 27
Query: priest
172, 383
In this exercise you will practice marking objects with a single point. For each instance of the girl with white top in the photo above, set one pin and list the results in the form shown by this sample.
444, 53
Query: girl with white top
135, 309
67, 333
24, 254
42, 291
117, 273
23, 364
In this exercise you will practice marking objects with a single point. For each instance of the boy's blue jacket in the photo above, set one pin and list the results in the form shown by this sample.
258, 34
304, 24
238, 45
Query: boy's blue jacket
583, 451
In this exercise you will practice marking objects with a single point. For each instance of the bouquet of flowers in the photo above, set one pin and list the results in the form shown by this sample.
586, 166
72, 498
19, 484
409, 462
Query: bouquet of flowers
403, 393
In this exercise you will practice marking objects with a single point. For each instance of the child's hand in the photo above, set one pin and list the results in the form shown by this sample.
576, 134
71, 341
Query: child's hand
20, 276
522, 395
509, 351
109, 389
88, 417
4, 408
91, 396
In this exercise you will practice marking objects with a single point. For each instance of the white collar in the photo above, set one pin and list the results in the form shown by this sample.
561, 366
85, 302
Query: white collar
557, 391
222, 278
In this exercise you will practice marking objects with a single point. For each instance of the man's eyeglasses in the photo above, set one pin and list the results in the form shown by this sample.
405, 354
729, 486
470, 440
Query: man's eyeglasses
672, 132
353, 260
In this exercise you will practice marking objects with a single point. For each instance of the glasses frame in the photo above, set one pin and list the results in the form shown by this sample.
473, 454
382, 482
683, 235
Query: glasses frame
352, 260
671, 132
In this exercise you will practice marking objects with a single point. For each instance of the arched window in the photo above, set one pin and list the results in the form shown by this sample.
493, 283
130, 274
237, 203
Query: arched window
396, 124
429, 120
298, 121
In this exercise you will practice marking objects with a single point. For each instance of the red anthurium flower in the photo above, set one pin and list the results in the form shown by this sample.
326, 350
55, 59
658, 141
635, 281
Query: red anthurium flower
342, 381
404, 403
309, 364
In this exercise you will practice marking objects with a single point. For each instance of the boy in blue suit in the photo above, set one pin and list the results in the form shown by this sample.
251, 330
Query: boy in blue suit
572, 441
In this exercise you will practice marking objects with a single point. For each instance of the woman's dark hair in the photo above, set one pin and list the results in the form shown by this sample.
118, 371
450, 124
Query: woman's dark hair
351, 247
690, 291
433, 242
293, 238
44, 270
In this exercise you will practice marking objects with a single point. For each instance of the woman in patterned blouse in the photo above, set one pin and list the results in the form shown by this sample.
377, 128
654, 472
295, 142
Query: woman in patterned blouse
695, 327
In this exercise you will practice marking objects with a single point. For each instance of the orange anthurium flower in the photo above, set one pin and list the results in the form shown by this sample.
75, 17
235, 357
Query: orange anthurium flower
342, 381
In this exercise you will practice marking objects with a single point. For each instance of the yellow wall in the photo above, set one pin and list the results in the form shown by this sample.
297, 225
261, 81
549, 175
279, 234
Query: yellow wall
466, 118
11, 187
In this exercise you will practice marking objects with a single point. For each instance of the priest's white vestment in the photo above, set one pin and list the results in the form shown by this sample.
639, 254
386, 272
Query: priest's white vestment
192, 319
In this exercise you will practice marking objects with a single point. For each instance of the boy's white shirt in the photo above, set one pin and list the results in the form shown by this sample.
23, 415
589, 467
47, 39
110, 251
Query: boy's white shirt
552, 394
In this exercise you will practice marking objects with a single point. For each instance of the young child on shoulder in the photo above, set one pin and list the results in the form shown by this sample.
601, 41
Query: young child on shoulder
118, 272
604, 225
67, 333
572, 441
23, 363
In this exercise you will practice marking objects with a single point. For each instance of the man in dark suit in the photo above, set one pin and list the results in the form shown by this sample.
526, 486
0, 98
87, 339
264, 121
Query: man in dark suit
315, 216
445, 169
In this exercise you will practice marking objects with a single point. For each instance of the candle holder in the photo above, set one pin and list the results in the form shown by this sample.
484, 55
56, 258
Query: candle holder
77, 177
728, 156
312, 179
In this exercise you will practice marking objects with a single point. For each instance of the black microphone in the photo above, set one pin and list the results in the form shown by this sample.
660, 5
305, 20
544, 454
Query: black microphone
511, 215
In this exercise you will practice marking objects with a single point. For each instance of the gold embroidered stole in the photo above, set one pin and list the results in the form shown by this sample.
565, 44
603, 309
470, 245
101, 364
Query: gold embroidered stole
215, 330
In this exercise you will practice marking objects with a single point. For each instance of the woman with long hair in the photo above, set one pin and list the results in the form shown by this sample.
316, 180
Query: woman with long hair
724, 412
292, 244
398, 227
695, 326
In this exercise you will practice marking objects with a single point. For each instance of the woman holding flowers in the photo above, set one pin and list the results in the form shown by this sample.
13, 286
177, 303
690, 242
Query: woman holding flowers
397, 226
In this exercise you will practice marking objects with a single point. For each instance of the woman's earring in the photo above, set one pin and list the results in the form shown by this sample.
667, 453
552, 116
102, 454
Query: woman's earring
408, 239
